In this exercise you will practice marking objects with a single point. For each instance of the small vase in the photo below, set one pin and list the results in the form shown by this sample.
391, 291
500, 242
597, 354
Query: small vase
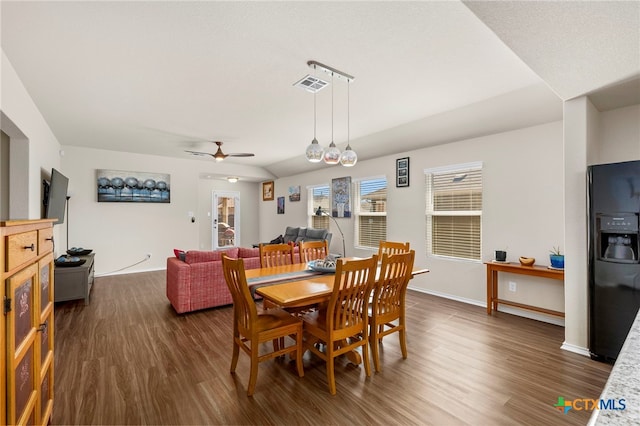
557, 261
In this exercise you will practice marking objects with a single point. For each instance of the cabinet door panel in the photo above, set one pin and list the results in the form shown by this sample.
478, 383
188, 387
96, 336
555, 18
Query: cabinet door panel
22, 319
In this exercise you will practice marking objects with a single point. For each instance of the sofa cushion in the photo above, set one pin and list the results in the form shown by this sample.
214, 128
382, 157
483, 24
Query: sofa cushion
244, 252
197, 256
316, 234
302, 233
290, 234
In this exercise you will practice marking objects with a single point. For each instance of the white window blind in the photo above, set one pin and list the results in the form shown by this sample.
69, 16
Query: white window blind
454, 211
319, 197
371, 212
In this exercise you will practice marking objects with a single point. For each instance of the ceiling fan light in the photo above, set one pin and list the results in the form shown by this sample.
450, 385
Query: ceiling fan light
332, 154
349, 158
314, 152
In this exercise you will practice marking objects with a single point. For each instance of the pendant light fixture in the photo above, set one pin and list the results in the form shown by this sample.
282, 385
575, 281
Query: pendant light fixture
314, 150
332, 155
349, 158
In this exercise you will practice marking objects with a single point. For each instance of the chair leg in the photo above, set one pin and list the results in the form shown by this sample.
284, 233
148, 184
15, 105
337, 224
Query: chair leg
253, 375
234, 356
365, 355
331, 377
403, 341
299, 353
373, 342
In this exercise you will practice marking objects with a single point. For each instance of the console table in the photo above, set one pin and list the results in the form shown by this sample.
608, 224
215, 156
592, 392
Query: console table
515, 268
74, 282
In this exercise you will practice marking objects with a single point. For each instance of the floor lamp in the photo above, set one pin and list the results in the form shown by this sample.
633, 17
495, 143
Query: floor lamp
320, 212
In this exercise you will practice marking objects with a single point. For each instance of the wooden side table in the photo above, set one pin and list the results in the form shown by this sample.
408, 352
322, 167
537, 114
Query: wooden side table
74, 282
515, 268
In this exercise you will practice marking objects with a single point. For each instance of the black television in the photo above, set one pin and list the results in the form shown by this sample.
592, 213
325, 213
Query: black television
55, 197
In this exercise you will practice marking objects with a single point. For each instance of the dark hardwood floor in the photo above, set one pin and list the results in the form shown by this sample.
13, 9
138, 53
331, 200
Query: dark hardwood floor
128, 358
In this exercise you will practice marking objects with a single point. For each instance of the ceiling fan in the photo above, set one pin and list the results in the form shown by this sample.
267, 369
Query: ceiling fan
219, 155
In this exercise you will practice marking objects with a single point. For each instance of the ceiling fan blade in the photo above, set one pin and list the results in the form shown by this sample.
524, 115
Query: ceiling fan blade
198, 153
241, 154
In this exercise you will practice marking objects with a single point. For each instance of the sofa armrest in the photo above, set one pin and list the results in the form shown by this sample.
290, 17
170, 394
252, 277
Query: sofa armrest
179, 284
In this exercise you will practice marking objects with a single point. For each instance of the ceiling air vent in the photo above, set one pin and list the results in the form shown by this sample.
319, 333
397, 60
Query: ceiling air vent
311, 84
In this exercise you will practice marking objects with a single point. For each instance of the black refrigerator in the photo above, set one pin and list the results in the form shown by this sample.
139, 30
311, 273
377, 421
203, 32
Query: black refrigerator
614, 266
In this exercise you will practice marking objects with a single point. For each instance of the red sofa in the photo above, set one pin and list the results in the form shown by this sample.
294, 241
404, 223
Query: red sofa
197, 282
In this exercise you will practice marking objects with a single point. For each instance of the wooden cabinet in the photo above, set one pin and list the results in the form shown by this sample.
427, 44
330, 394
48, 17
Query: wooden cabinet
26, 326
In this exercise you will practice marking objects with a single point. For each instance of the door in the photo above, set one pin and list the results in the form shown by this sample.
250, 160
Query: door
225, 228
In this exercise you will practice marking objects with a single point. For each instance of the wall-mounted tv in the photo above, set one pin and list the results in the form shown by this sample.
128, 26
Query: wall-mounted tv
55, 196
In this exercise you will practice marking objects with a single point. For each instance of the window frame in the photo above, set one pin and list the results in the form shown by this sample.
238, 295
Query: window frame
358, 214
311, 207
430, 212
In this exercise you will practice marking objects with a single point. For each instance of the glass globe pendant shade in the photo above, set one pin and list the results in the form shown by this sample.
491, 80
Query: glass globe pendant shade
349, 158
332, 154
314, 152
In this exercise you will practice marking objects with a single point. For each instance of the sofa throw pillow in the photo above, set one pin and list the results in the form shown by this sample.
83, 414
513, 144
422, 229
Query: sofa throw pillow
316, 234
180, 254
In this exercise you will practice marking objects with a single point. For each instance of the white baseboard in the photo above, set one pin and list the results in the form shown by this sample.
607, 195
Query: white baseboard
123, 272
575, 349
506, 309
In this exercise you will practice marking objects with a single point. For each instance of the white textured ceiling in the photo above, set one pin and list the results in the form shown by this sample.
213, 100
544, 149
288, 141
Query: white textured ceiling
162, 77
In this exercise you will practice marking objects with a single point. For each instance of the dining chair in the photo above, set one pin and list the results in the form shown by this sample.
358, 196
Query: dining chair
276, 255
342, 326
388, 302
391, 247
251, 327
313, 250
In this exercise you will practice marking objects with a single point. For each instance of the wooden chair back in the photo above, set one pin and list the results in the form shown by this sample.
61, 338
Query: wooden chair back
313, 250
252, 328
345, 316
391, 247
388, 301
245, 311
276, 255
350, 298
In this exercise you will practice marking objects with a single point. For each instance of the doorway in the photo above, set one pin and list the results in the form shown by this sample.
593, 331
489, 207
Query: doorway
225, 231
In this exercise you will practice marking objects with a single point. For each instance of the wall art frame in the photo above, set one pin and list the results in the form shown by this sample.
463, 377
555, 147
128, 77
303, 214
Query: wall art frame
280, 205
119, 186
402, 172
267, 191
341, 197
294, 193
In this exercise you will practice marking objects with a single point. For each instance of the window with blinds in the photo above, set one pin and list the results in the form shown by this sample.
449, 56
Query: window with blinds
319, 197
454, 211
371, 212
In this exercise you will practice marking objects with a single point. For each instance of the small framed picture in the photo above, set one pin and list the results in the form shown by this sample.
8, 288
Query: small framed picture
402, 172
267, 191
280, 205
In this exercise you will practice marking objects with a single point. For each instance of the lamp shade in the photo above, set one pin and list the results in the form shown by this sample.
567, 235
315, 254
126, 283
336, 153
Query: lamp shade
332, 154
314, 152
349, 158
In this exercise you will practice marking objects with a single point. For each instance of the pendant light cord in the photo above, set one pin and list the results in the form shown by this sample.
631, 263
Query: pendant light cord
315, 115
332, 107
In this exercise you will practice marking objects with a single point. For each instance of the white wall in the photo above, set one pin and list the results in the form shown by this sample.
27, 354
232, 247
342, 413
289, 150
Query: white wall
122, 233
522, 209
34, 148
619, 135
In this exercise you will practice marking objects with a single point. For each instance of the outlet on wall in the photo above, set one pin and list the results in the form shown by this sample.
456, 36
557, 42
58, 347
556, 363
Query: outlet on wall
512, 286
